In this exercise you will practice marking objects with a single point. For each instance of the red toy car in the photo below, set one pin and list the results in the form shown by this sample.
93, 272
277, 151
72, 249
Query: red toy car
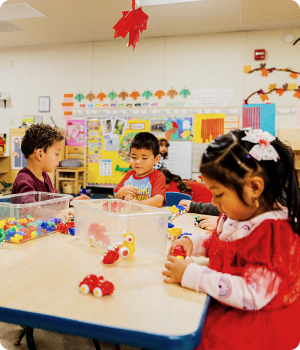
96, 285
98, 235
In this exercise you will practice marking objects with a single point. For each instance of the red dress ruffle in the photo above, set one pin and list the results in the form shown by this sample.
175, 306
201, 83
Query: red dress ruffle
273, 245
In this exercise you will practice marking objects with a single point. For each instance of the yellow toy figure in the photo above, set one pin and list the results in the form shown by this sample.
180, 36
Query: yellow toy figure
174, 233
128, 247
173, 209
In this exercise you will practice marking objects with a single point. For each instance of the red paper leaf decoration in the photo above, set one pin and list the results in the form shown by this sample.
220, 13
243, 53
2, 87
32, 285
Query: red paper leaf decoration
132, 22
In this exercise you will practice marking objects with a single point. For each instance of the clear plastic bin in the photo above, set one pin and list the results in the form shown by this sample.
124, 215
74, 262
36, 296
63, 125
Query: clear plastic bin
106, 220
16, 209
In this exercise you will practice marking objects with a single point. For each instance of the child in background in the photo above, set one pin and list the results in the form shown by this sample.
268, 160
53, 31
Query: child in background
143, 184
201, 198
254, 253
163, 151
198, 191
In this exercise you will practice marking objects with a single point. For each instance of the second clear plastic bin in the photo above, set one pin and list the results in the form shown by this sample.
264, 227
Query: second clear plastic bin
105, 221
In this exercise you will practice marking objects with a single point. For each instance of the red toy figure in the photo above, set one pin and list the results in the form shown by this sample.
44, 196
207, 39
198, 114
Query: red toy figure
98, 235
179, 253
111, 255
64, 228
96, 285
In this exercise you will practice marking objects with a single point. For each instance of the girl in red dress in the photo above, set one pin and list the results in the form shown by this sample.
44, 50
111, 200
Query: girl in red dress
254, 253
197, 190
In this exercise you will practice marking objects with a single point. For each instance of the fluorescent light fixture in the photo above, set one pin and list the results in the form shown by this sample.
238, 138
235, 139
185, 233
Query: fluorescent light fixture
16, 11
161, 2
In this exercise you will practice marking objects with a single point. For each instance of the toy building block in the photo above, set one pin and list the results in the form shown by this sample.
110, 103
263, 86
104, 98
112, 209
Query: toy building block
96, 285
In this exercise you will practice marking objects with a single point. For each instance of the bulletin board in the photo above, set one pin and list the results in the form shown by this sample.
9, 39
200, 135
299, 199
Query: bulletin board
108, 140
108, 149
75, 132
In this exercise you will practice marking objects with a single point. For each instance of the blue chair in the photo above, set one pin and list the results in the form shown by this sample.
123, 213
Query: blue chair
173, 198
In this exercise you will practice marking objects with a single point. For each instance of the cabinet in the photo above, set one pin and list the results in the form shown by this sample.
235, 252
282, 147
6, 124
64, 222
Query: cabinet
4, 169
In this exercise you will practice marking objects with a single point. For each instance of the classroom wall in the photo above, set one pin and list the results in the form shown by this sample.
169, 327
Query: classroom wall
197, 62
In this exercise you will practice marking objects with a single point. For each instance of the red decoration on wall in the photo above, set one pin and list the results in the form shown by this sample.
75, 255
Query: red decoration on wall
212, 127
132, 22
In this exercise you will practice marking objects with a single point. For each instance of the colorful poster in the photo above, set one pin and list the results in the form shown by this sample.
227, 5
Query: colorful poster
172, 128
208, 126
108, 163
259, 116
75, 132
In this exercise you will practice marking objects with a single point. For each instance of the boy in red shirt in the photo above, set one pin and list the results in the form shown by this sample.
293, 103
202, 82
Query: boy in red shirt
143, 184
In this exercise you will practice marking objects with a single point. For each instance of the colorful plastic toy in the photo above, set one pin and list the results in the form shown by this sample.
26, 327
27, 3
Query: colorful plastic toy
111, 255
115, 207
125, 249
98, 235
96, 285
128, 247
184, 234
179, 253
196, 222
174, 232
2, 237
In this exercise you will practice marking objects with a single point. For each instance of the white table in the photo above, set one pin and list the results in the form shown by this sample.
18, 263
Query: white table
39, 289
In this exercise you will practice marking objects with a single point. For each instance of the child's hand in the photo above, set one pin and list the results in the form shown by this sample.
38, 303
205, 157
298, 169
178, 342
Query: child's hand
186, 244
186, 204
130, 199
175, 269
208, 222
128, 191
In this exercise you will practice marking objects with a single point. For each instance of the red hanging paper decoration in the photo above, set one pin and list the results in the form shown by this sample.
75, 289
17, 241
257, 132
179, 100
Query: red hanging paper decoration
132, 22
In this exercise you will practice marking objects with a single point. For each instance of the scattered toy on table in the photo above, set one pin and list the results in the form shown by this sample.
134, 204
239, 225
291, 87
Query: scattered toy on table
184, 234
98, 235
176, 210
173, 233
2, 237
66, 227
170, 225
96, 285
125, 249
196, 222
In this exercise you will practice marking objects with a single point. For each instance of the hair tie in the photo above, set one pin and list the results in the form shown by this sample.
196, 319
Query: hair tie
264, 150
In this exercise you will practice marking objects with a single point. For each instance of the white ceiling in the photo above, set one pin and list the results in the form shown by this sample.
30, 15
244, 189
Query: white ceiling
74, 21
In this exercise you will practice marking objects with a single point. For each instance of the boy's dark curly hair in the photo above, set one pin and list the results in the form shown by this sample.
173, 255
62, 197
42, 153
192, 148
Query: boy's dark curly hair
39, 136
145, 140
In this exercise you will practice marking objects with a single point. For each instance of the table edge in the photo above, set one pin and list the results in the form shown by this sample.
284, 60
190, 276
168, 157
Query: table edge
105, 333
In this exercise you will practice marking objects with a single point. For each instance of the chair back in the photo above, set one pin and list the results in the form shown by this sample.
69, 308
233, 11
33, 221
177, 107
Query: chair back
76, 152
173, 198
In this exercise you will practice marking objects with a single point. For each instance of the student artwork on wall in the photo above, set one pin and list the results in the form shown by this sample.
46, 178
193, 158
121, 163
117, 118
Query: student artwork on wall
208, 126
172, 128
108, 154
259, 116
18, 160
75, 132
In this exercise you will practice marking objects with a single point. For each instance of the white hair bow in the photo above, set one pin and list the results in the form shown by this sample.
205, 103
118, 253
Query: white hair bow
264, 150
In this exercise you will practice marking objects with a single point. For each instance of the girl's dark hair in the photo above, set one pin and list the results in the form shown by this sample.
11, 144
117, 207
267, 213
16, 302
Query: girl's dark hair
182, 186
161, 142
40, 136
227, 160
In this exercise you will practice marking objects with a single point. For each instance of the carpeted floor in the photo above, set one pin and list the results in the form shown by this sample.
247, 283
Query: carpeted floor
45, 340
